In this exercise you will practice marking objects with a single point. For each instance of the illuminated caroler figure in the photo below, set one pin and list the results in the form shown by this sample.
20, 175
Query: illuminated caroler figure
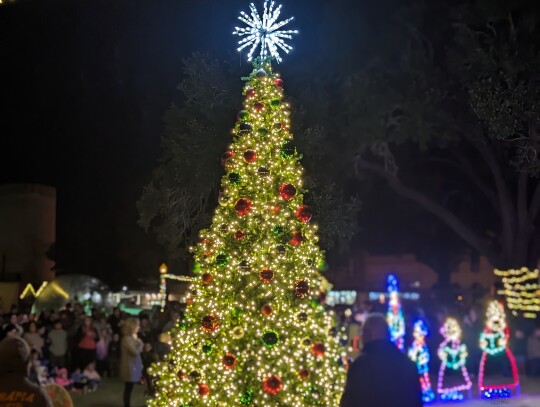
394, 316
419, 354
453, 380
496, 353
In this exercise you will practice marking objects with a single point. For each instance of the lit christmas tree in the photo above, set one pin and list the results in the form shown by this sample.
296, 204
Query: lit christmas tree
495, 354
255, 331
419, 354
394, 316
453, 378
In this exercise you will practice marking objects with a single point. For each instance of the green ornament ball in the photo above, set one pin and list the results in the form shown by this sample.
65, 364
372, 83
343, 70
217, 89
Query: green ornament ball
207, 348
196, 268
274, 103
270, 339
237, 312
263, 132
234, 178
278, 230
261, 73
243, 115
247, 398
322, 265
245, 128
222, 259
288, 149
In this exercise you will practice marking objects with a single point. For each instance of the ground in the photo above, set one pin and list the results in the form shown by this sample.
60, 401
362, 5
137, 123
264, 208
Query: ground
110, 395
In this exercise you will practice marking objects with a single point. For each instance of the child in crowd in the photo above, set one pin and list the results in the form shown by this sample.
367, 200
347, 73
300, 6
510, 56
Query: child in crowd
148, 357
43, 376
92, 376
58, 345
114, 355
79, 381
102, 351
62, 379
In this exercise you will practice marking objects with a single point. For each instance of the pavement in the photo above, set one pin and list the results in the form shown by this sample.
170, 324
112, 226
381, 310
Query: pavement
110, 395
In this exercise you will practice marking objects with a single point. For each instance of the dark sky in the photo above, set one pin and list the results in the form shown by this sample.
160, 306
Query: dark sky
85, 85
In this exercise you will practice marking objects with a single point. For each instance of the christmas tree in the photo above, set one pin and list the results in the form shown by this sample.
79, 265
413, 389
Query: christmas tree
255, 331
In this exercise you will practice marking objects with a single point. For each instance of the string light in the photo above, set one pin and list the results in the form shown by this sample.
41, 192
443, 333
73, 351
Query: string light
255, 331
419, 354
494, 343
453, 355
394, 316
521, 291
264, 32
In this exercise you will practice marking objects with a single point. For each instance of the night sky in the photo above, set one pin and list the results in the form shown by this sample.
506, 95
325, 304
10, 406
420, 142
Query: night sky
85, 85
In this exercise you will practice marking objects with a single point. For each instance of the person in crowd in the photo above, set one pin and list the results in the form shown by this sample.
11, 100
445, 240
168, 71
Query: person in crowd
35, 364
533, 353
62, 378
86, 339
92, 376
379, 366
43, 376
33, 338
78, 380
14, 383
148, 357
145, 332
102, 352
115, 321
113, 355
174, 315
130, 358
10, 331
58, 345
14, 320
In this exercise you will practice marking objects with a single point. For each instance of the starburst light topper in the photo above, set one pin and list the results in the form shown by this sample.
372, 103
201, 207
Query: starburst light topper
264, 32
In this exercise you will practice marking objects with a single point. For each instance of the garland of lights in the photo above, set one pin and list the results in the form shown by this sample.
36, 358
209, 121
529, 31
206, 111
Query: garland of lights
419, 354
453, 355
255, 331
394, 316
494, 344
521, 291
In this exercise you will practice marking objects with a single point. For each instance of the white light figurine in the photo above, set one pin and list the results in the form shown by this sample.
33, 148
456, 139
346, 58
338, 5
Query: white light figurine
264, 32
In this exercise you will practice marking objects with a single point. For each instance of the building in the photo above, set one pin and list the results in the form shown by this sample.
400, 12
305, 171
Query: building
27, 232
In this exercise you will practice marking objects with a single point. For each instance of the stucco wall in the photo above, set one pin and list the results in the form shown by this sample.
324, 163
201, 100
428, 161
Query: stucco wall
27, 230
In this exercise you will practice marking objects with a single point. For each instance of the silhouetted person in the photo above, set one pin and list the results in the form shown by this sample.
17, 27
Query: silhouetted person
15, 388
381, 376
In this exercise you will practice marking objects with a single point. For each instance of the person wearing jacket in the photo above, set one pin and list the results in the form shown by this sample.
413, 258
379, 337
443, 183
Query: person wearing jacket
15, 388
381, 376
130, 358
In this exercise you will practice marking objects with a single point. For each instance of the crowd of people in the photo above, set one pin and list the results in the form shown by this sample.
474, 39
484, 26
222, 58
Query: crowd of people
75, 349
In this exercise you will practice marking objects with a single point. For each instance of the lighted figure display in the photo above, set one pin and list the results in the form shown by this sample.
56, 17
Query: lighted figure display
419, 354
255, 332
453, 380
394, 316
496, 354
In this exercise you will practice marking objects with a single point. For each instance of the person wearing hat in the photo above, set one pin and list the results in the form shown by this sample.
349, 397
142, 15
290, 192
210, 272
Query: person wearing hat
15, 388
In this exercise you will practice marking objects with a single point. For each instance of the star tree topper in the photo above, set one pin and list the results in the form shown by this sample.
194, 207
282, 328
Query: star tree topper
264, 32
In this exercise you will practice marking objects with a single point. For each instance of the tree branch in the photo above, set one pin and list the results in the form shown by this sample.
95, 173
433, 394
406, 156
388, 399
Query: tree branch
505, 202
472, 238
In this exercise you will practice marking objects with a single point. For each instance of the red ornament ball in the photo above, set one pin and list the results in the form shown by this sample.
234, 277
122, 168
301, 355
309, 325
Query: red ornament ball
207, 278
229, 361
242, 206
272, 385
250, 156
226, 156
258, 106
266, 275
239, 235
204, 390
275, 209
278, 82
301, 288
210, 323
318, 349
250, 93
296, 239
287, 191
303, 374
304, 213
267, 310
